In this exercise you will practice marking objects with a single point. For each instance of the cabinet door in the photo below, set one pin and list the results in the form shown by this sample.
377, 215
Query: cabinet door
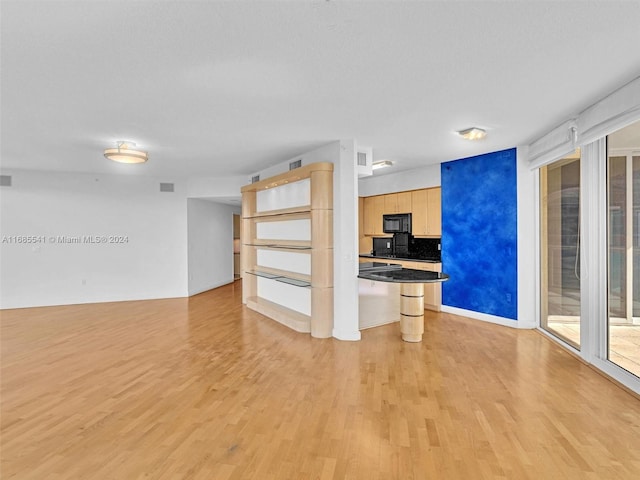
364, 242
367, 213
373, 208
390, 203
404, 202
378, 209
434, 215
432, 291
419, 212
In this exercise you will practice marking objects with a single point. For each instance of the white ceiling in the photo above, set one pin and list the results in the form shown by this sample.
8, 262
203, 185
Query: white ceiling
229, 88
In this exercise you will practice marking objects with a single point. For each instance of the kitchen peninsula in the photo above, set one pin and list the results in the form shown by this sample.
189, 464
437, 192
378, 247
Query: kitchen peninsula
411, 293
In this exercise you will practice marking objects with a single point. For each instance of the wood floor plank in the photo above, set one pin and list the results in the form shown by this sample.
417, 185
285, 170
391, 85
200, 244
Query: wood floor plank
206, 388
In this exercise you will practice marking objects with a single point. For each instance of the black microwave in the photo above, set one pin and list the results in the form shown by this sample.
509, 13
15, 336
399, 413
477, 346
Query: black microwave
396, 223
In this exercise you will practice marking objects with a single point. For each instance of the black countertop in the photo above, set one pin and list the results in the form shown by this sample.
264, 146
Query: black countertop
381, 272
409, 259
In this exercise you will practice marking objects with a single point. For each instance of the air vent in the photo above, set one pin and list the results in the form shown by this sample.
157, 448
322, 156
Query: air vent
255, 178
166, 187
5, 180
362, 159
296, 164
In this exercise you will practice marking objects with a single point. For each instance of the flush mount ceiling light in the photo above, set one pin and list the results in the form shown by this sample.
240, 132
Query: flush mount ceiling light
381, 164
123, 153
473, 133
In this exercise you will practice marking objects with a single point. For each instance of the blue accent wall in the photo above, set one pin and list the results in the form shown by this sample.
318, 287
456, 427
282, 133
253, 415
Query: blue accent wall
479, 234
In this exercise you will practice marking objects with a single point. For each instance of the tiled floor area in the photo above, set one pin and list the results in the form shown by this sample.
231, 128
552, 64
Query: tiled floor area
624, 341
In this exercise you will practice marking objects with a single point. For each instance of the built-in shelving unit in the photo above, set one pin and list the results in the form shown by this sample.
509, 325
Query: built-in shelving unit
287, 248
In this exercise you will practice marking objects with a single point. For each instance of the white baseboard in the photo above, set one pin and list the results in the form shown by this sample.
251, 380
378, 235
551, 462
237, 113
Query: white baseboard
198, 290
485, 317
347, 336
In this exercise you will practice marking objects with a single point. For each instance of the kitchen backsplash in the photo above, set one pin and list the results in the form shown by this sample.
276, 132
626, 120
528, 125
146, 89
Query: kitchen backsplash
425, 248
419, 248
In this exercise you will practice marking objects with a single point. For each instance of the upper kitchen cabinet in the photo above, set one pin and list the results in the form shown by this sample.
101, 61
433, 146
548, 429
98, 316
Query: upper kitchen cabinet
434, 212
424, 205
373, 210
397, 202
426, 216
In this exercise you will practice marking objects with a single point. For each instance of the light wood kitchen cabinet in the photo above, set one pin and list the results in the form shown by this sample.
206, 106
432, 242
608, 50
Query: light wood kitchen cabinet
426, 216
423, 204
397, 202
365, 242
434, 212
404, 202
419, 212
373, 211
390, 203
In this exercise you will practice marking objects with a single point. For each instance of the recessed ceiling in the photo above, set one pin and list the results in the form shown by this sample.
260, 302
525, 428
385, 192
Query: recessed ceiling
229, 88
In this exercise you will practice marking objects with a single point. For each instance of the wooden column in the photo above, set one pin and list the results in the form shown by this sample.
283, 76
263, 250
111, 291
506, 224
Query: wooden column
322, 253
412, 311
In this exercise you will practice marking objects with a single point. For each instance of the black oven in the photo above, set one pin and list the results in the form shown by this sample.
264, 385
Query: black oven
396, 223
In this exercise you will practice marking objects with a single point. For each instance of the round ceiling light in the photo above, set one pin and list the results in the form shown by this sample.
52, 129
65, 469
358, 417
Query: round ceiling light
123, 153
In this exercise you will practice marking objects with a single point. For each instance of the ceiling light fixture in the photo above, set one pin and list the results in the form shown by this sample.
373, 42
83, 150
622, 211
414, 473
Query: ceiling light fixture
381, 164
123, 153
473, 133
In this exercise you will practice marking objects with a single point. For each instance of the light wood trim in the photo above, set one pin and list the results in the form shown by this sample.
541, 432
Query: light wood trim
288, 177
412, 311
322, 229
264, 243
248, 204
249, 285
320, 246
409, 306
322, 312
322, 268
305, 209
283, 273
322, 190
290, 318
282, 217
284, 249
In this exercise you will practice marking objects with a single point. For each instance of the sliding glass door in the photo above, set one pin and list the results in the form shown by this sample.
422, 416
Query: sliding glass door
623, 193
560, 248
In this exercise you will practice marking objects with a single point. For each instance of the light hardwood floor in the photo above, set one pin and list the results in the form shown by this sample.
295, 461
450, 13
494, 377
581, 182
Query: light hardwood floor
204, 388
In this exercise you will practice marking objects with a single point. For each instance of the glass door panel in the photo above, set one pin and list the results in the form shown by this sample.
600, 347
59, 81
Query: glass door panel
560, 248
623, 182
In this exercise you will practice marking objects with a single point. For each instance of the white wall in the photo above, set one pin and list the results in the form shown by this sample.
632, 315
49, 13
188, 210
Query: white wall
210, 244
345, 244
527, 247
425, 177
212, 187
150, 263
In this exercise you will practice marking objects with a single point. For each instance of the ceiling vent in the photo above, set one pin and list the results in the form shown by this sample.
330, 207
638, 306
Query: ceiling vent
296, 164
255, 178
362, 159
5, 180
166, 187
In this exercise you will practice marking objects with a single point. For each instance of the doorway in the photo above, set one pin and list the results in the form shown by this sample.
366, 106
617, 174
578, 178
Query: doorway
236, 247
